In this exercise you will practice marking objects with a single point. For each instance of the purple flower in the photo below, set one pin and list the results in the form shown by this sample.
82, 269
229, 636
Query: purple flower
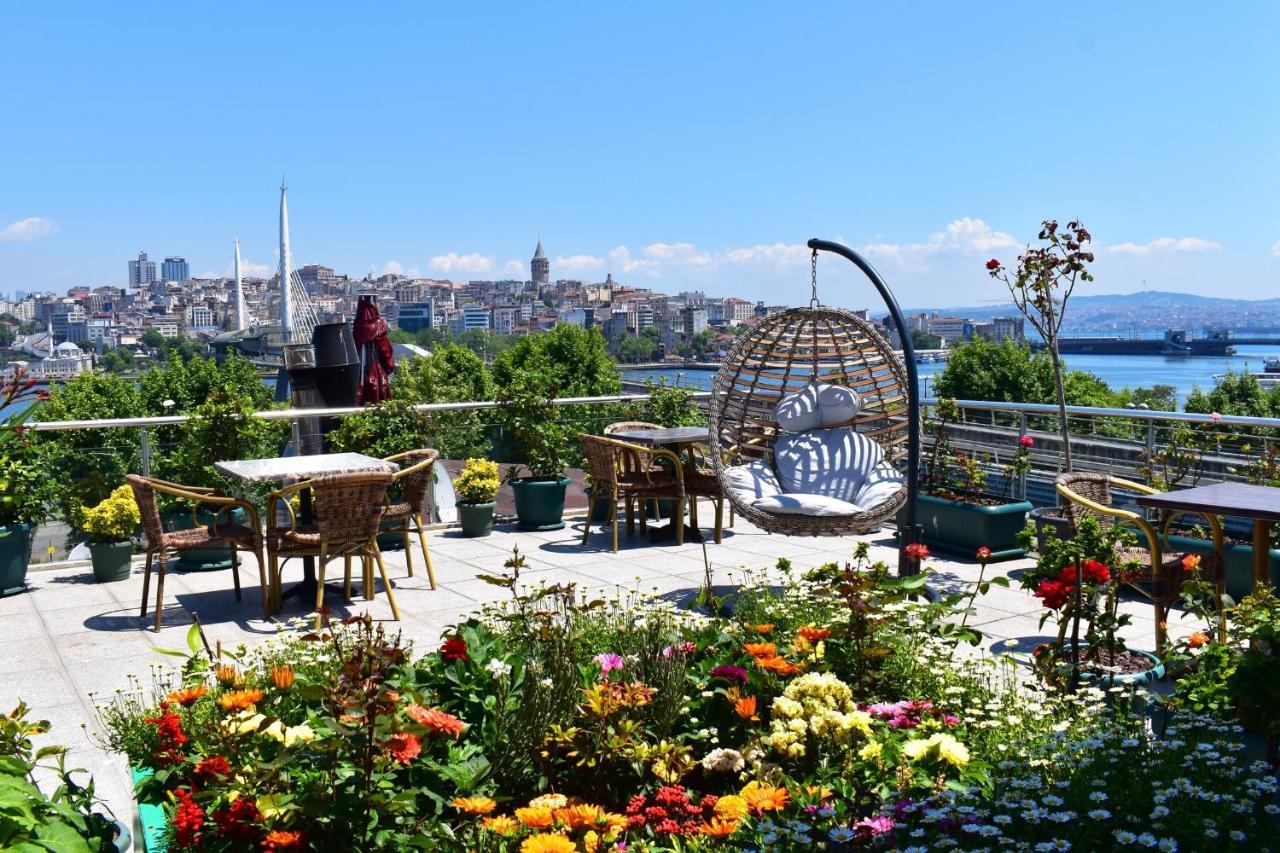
951, 720
875, 825
608, 661
889, 709
733, 673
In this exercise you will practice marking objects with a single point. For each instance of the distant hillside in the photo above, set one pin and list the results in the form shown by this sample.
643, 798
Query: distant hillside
1148, 310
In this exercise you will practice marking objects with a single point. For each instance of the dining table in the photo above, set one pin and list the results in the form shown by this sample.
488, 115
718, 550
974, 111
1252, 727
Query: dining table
292, 469
677, 440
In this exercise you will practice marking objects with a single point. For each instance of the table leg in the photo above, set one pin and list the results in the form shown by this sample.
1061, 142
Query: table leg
307, 587
1261, 552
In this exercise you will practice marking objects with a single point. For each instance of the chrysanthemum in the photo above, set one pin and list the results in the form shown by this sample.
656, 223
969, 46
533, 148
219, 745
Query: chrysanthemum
501, 824
548, 843
580, 816
474, 805
731, 807
437, 721
240, 700
718, 828
402, 747
536, 817
761, 649
764, 798
813, 634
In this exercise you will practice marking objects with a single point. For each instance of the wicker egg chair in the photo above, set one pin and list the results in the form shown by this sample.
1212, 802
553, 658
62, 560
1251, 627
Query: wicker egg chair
790, 351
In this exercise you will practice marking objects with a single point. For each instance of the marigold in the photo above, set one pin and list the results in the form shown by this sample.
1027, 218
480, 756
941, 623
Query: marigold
436, 721
402, 747
1191, 562
283, 677
718, 828
226, 674
536, 817
731, 807
474, 805
746, 708
188, 696
501, 824
580, 816
813, 634
548, 843
777, 665
1197, 639
763, 798
240, 700
761, 649
283, 841
766, 628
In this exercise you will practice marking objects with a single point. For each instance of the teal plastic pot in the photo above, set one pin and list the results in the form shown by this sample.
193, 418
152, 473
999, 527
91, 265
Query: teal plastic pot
962, 528
476, 519
150, 825
1128, 679
599, 507
15, 556
540, 503
112, 561
1238, 562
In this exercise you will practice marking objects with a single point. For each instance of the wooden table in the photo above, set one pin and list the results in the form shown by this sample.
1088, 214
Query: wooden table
1259, 503
279, 469
677, 439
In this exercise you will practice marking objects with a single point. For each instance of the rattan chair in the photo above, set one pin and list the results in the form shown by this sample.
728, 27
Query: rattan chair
1162, 572
625, 472
629, 426
347, 509
417, 476
700, 477
220, 532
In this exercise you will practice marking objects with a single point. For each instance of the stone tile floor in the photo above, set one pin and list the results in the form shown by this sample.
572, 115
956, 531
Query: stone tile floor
68, 637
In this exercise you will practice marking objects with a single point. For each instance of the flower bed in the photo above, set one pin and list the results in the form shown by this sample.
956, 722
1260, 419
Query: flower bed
831, 711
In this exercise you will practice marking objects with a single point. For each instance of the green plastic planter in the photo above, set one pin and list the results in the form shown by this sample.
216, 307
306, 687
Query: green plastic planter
111, 561
1239, 562
15, 556
540, 503
476, 520
150, 826
963, 528
1128, 679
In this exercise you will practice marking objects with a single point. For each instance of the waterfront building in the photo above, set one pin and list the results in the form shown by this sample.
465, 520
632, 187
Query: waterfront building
506, 318
737, 311
65, 361
416, 316
142, 271
175, 269
540, 267
200, 317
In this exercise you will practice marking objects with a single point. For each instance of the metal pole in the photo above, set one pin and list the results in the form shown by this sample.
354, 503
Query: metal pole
913, 533
144, 451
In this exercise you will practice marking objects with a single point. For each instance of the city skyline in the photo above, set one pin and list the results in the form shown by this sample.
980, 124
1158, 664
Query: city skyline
694, 167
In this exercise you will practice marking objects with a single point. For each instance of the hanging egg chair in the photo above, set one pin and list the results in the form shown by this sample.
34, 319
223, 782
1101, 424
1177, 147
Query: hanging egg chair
814, 423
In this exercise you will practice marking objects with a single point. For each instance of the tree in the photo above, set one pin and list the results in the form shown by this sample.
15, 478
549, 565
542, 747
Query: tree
451, 374
1014, 373
637, 349
570, 361
1040, 286
921, 339
1236, 394
153, 339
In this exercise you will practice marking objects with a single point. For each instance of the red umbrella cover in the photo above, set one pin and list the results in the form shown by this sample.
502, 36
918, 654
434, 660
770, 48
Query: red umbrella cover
375, 350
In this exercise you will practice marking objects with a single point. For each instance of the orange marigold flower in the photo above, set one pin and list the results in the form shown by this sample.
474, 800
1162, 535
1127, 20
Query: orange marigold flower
766, 628
580, 816
764, 798
813, 634
188, 696
1191, 562
240, 700
436, 721
778, 665
283, 841
402, 747
501, 824
718, 828
822, 793
536, 817
746, 708
283, 677
760, 650
226, 674
548, 843
1198, 639
474, 805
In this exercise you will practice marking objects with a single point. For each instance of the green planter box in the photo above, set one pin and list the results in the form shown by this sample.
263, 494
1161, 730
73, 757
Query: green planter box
1239, 562
540, 503
15, 556
112, 561
150, 825
962, 528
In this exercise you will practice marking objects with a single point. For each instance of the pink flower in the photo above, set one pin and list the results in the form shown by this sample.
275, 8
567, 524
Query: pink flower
1027, 441
1217, 416
917, 551
609, 661
984, 554
733, 673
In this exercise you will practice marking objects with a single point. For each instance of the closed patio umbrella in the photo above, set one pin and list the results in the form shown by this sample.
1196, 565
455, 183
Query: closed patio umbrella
377, 360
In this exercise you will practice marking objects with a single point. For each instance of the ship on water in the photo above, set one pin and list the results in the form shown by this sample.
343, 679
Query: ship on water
1176, 342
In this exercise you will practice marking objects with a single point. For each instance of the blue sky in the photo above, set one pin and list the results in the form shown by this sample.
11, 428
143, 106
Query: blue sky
678, 145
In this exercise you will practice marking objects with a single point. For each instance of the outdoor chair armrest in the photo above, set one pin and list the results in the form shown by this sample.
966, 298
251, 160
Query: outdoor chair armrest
226, 505
282, 496
1134, 518
1215, 526
165, 486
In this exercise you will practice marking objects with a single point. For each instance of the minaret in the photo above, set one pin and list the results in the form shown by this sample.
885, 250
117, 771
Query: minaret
242, 316
286, 280
540, 267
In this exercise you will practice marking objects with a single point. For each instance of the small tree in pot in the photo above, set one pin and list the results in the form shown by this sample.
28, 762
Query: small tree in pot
110, 526
476, 487
543, 442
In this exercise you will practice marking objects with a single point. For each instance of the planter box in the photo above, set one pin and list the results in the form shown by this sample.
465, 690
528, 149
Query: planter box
962, 528
1238, 562
150, 825
112, 561
540, 503
15, 556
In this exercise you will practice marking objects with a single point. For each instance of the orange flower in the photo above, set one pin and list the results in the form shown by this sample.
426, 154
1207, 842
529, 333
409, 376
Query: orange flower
1191, 562
437, 721
474, 805
746, 708
402, 747
818, 791
283, 841
283, 677
188, 695
536, 817
813, 634
718, 828
767, 628
778, 665
226, 674
501, 824
764, 798
240, 700
760, 650
580, 816
548, 843
1198, 639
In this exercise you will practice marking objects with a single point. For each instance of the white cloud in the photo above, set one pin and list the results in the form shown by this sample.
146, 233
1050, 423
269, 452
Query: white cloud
397, 268
473, 262
513, 268
777, 254
578, 263
961, 236
1167, 244
1275, 249
621, 260
680, 253
26, 230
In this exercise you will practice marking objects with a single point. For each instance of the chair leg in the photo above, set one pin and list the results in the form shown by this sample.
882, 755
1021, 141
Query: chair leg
586, 528
160, 591
235, 573
273, 581
262, 582
613, 523
319, 587
386, 581
678, 521
693, 511
719, 519
369, 590
146, 584
346, 578
426, 554
631, 517
408, 555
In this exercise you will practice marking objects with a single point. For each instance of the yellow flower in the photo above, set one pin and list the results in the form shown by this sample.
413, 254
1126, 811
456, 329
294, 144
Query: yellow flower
871, 750
548, 843
763, 798
731, 807
298, 734
549, 801
942, 746
579, 816
591, 842
536, 817
474, 805
501, 824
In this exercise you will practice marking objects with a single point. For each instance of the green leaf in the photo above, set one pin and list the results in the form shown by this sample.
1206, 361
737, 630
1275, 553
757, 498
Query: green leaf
193, 639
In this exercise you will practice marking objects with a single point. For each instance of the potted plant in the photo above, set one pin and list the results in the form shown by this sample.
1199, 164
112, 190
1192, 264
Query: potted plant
544, 445
24, 483
476, 487
110, 526
957, 510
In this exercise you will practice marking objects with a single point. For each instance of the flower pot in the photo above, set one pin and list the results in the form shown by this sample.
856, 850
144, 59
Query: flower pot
476, 519
1049, 518
1238, 562
203, 559
15, 556
599, 507
111, 560
150, 825
963, 528
539, 503
1127, 679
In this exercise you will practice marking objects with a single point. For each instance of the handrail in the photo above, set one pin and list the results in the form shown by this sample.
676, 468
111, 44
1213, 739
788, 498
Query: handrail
1133, 414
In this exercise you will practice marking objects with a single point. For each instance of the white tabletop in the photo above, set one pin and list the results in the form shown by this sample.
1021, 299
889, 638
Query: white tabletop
301, 467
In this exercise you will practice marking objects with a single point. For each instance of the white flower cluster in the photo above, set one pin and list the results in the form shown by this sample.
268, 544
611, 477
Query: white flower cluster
816, 704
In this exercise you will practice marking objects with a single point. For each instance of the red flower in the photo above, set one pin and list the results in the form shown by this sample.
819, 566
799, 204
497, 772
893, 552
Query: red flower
917, 551
212, 769
283, 841
454, 648
1027, 441
169, 733
240, 820
984, 554
1090, 570
188, 820
1054, 594
403, 747
993, 265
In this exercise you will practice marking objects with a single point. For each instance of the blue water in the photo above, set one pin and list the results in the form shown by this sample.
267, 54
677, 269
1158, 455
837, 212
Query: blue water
1118, 371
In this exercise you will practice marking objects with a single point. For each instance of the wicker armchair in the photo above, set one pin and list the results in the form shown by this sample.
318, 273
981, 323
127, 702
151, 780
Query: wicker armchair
347, 509
221, 531
621, 471
646, 461
1163, 574
417, 475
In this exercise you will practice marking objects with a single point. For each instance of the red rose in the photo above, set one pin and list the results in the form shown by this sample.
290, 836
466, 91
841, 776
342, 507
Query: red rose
1027, 441
454, 648
917, 551
1054, 594
993, 265
984, 554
